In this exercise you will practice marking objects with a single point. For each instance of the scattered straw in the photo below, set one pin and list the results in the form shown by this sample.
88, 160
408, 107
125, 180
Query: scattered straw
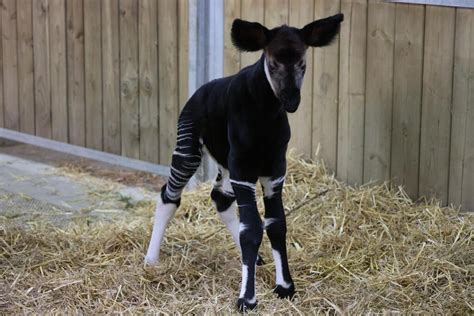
364, 250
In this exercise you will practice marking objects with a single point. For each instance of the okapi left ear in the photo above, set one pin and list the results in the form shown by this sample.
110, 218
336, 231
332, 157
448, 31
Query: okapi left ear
249, 36
322, 32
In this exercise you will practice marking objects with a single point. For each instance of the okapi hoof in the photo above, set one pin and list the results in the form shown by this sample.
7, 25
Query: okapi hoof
283, 292
244, 305
260, 261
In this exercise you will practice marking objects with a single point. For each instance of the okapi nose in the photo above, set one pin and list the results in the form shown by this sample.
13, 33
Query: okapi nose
291, 101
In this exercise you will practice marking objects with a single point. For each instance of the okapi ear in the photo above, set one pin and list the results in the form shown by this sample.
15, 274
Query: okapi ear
249, 36
322, 32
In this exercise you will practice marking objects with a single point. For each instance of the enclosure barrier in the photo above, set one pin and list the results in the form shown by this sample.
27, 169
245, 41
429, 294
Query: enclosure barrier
392, 98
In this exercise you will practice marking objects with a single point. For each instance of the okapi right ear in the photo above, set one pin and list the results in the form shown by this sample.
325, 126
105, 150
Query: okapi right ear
249, 36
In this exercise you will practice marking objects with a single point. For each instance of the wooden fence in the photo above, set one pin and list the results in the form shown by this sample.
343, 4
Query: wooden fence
393, 98
105, 74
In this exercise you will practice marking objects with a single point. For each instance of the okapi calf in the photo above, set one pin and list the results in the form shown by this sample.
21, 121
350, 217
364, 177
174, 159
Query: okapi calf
242, 121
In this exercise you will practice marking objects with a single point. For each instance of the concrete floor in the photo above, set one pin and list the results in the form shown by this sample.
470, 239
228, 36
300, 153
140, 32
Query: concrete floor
34, 185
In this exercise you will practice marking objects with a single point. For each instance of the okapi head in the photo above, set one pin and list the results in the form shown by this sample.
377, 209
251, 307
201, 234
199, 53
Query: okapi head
285, 48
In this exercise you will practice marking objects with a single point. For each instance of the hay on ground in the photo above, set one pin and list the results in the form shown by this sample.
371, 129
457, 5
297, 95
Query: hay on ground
351, 250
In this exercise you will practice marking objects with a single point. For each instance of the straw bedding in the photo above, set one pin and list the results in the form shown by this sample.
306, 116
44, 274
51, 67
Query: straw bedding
351, 250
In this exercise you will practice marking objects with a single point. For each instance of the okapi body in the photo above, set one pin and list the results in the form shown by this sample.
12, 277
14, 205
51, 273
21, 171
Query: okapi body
242, 122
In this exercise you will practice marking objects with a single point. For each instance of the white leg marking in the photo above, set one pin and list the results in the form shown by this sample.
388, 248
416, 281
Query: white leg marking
245, 276
279, 270
163, 214
231, 221
270, 185
269, 221
224, 184
242, 228
248, 185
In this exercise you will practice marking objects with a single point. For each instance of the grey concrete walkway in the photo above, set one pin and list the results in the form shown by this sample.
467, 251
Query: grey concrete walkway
32, 191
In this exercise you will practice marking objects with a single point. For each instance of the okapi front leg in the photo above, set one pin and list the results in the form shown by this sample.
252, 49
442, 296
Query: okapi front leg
275, 225
251, 233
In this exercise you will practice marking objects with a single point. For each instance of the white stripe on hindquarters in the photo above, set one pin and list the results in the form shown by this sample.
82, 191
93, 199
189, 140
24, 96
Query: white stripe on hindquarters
163, 214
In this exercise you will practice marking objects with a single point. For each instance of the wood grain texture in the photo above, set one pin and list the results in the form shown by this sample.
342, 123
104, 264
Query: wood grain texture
352, 71
75, 72
276, 13
461, 171
231, 54
168, 78
251, 10
437, 98
26, 97
325, 91
408, 72
42, 84
93, 73
130, 120
183, 52
111, 76
2, 113
10, 64
148, 39
57, 46
379, 91
302, 13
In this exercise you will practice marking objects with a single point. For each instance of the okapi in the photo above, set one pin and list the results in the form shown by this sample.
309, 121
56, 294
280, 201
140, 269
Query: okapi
242, 122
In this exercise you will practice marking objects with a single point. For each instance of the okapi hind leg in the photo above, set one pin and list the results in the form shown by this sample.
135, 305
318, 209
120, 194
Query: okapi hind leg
186, 159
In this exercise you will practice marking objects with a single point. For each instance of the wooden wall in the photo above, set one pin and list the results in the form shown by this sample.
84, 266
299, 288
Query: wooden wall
107, 74
392, 98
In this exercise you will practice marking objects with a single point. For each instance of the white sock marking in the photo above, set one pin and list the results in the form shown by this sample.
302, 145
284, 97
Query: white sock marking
279, 270
245, 276
163, 214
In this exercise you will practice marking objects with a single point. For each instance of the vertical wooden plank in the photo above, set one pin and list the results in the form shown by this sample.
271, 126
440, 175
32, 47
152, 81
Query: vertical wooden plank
461, 175
111, 76
436, 108
301, 12
231, 54
379, 91
75, 72
10, 64
25, 66
183, 51
41, 69
93, 74
129, 78
253, 11
148, 38
2, 113
325, 91
168, 77
352, 67
57, 33
408, 70
276, 13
